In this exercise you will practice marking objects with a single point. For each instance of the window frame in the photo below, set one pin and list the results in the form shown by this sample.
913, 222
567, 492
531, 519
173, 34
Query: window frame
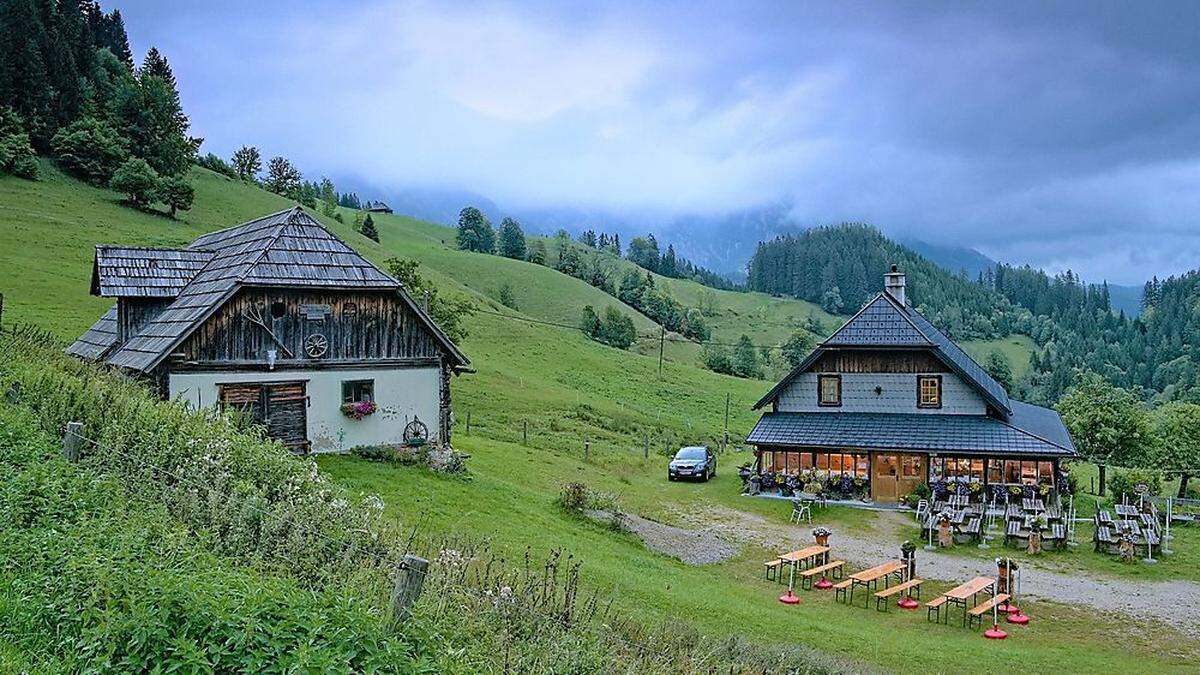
348, 390
836, 377
937, 380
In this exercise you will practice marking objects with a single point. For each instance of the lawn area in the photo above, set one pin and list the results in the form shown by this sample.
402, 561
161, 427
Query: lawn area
510, 501
566, 393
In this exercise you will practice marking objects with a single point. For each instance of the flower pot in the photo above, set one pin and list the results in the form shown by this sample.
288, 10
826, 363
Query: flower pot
822, 539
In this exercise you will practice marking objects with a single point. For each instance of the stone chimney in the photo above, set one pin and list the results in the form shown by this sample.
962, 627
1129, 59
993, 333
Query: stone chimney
893, 283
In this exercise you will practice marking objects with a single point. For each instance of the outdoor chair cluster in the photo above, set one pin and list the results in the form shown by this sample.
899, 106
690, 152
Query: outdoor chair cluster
964, 521
1135, 528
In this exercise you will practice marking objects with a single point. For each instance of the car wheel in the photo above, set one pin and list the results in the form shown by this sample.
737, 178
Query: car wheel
707, 475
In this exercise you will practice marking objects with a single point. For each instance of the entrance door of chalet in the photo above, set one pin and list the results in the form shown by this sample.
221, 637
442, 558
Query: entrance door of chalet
279, 406
885, 477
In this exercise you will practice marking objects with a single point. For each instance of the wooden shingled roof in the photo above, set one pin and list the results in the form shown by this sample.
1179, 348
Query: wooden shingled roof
288, 248
123, 271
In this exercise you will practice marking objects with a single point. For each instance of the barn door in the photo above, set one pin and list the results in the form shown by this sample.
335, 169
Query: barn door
280, 406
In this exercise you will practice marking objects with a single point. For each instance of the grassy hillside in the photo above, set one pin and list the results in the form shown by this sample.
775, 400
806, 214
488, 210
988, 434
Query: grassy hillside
566, 388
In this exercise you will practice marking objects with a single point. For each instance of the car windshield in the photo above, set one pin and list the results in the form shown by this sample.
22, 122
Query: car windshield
690, 453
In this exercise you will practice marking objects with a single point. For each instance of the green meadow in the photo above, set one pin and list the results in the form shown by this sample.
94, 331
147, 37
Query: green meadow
541, 394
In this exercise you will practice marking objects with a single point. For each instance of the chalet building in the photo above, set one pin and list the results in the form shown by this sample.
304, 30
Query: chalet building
377, 207
281, 318
889, 402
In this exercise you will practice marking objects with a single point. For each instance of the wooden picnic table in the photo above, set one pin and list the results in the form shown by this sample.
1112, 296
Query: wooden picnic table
869, 578
805, 555
963, 594
1034, 505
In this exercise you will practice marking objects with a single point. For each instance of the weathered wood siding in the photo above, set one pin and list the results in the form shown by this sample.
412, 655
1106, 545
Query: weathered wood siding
359, 325
870, 361
134, 313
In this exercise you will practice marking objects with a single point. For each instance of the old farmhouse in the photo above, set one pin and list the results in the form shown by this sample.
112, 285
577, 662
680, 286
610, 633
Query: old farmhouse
279, 317
889, 402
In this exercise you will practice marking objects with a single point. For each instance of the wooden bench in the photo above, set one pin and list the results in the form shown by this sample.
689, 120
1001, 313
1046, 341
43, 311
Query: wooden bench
840, 588
807, 576
882, 596
976, 613
774, 566
935, 606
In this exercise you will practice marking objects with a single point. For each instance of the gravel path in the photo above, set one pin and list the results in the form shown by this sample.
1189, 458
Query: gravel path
1176, 603
694, 547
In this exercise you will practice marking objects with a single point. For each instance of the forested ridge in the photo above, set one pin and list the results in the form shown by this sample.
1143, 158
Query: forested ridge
1072, 322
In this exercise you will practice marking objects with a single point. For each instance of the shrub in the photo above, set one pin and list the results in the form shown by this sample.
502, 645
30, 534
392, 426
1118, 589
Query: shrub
374, 453
616, 329
1123, 484
90, 149
136, 180
16, 153
920, 492
507, 297
573, 497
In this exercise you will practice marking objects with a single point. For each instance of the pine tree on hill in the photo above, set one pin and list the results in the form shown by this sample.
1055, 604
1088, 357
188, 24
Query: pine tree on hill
512, 240
368, 228
155, 65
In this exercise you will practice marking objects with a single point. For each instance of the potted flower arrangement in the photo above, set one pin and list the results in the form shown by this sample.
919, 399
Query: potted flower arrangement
1015, 491
976, 489
1035, 534
1044, 490
359, 410
821, 535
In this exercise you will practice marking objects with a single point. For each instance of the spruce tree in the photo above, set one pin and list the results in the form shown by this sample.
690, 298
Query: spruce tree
368, 228
512, 240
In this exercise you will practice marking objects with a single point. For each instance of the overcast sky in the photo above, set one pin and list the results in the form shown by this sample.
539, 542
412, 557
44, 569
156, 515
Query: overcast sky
1063, 135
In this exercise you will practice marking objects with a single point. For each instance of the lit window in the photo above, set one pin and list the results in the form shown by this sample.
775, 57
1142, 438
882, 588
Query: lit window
910, 466
929, 391
829, 390
357, 391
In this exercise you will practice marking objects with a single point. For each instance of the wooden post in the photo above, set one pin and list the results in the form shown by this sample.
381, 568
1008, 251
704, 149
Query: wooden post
524, 432
73, 441
725, 446
1, 311
410, 578
468, 422
646, 448
587, 448
662, 341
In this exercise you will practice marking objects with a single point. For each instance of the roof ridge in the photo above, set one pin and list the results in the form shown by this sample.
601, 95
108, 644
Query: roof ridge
243, 224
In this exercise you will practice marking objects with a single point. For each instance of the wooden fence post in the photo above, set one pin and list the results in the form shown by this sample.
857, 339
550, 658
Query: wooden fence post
524, 432
587, 448
646, 448
410, 578
468, 422
73, 441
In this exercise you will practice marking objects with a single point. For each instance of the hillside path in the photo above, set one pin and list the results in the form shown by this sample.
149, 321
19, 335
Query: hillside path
1176, 603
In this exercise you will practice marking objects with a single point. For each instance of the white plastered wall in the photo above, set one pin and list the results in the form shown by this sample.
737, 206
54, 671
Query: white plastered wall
400, 393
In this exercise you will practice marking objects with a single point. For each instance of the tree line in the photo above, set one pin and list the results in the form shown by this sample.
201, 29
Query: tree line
69, 89
635, 287
1072, 323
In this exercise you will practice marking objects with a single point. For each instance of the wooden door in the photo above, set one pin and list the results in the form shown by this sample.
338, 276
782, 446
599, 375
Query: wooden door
885, 476
280, 406
287, 415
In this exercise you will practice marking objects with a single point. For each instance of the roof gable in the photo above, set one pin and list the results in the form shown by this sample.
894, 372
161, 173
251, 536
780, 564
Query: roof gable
883, 322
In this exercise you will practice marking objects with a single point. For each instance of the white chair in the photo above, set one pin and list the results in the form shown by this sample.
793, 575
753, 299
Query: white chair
922, 510
801, 510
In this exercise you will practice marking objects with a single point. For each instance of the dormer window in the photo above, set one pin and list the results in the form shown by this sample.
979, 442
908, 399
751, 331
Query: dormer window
829, 390
929, 391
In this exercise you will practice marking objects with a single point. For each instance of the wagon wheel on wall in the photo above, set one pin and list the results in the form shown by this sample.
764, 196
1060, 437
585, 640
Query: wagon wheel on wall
416, 433
316, 345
